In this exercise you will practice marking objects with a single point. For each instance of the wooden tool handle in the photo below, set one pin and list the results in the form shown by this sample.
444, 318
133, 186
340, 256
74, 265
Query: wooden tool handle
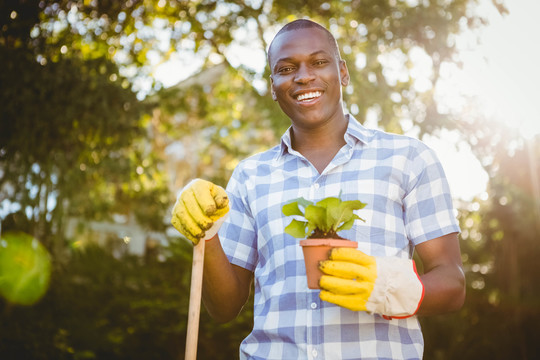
195, 301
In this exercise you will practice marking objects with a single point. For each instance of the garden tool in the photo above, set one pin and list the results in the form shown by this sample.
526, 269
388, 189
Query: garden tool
198, 213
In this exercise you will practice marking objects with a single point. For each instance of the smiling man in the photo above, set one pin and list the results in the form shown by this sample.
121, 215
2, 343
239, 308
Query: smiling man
307, 75
371, 295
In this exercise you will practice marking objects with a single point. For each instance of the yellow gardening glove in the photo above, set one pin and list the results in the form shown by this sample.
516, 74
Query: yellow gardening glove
386, 286
200, 210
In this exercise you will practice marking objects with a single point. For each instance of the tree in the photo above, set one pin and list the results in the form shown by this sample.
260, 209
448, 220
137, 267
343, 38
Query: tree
499, 245
378, 41
68, 143
71, 135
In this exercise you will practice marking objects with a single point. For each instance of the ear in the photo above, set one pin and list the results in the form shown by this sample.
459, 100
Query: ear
274, 97
344, 73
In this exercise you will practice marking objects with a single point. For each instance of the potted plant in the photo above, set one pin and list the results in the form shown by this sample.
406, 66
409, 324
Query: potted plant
318, 225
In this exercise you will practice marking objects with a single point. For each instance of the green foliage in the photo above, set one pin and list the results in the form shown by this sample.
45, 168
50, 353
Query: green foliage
71, 144
499, 245
102, 307
323, 219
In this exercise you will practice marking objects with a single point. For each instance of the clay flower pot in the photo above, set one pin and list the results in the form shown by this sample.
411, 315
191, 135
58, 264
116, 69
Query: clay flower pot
316, 250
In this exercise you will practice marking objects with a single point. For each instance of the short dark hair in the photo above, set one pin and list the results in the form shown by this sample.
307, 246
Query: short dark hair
306, 24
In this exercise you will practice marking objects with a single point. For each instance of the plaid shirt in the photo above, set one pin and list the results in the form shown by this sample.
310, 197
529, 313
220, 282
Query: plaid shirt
409, 202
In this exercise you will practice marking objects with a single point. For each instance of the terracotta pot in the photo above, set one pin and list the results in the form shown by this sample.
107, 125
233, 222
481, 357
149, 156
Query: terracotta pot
316, 250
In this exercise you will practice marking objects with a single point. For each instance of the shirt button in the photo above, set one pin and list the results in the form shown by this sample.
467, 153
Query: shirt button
317, 185
313, 305
314, 353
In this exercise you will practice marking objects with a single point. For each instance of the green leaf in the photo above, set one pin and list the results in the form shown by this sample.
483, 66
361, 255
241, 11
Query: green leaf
310, 228
339, 214
329, 202
316, 216
346, 225
303, 202
296, 229
355, 204
330, 214
293, 207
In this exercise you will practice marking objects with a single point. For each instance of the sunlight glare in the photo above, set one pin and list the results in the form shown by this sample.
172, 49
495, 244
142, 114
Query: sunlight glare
465, 174
504, 69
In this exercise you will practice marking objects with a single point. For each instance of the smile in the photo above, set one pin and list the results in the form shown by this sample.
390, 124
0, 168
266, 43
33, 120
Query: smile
309, 96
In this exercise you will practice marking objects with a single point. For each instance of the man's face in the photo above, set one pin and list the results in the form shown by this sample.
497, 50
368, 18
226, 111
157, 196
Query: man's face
307, 76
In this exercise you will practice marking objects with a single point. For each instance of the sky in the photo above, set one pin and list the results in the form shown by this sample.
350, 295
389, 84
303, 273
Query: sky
505, 67
501, 66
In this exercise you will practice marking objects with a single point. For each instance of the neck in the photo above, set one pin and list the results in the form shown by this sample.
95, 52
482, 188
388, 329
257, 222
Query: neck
325, 137
319, 145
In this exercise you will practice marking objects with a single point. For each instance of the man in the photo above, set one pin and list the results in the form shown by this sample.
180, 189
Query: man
366, 309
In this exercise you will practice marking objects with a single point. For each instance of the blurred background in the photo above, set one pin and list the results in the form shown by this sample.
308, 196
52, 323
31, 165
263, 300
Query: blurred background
107, 108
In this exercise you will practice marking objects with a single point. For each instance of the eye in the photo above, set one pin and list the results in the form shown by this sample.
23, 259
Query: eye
285, 69
320, 62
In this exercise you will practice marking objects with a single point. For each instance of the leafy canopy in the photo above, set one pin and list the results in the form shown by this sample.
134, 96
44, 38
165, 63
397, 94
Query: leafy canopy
323, 219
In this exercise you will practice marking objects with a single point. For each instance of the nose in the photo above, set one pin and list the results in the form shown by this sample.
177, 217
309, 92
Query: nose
304, 74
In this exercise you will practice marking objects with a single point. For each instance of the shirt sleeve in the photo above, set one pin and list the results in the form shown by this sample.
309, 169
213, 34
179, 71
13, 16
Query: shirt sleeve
238, 233
428, 207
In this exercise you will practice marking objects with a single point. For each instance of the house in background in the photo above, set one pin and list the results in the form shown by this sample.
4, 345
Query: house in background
188, 151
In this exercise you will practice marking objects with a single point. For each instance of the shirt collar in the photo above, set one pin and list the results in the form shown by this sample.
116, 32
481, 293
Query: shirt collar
355, 132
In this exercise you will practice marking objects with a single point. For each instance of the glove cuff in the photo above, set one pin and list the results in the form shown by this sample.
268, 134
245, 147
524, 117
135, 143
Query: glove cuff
398, 291
210, 233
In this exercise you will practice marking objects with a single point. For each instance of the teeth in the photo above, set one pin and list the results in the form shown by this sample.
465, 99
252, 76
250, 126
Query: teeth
309, 95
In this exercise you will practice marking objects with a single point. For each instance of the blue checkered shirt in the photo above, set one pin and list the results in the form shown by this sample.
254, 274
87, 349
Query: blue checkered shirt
409, 202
